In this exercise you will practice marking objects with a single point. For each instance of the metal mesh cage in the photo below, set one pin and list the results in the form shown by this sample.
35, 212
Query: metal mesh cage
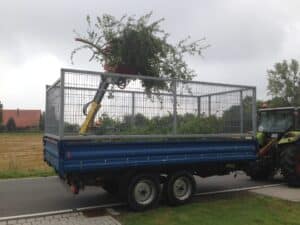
53, 107
176, 108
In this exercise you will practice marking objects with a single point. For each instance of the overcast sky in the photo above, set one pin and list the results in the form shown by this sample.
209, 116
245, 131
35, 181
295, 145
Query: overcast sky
246, 36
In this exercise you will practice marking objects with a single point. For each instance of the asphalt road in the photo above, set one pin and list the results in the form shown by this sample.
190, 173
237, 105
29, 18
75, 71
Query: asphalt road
24, 196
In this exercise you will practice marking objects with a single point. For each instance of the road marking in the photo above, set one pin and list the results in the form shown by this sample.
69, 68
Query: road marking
238, 189
50, 213
100, 206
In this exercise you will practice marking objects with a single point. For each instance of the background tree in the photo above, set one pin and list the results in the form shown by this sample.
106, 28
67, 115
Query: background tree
231, 116
11, 125
284, 83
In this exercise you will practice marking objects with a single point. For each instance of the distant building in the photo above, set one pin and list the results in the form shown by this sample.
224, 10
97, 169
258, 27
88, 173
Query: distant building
24, 118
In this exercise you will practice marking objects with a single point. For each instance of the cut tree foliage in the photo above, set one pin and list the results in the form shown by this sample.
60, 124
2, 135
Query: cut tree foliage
139, 46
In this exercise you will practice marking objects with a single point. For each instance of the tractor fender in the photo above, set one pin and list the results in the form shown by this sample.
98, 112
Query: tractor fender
260, 137
290, 137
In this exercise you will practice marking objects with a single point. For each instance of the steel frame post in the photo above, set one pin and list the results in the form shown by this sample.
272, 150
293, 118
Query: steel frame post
199, 106
254, 123
174, 106
241, 113
132, 108
46, 109
62, 104
209, 105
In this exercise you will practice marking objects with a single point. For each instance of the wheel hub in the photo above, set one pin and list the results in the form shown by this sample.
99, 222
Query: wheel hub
144, 192
182, 188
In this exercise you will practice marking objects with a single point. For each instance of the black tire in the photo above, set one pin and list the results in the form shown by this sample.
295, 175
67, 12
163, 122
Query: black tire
260, 171
290, 164
179, 188
143, 192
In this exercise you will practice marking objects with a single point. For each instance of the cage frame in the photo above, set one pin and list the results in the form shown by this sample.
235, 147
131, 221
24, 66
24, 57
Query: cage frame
60, 83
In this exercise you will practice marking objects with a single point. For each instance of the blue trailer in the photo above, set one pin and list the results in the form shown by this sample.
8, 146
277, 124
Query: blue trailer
140, 151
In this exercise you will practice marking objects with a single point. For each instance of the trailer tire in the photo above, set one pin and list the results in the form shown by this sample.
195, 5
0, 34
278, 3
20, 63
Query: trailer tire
143, 191
290, 164
179, 188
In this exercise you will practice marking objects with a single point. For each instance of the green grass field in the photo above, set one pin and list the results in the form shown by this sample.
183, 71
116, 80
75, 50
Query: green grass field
242, 209
7, 174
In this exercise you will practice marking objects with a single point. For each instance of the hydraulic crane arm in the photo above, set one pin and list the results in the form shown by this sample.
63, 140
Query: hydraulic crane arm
95, 105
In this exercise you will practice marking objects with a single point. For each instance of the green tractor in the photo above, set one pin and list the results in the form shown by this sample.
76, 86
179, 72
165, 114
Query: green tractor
279, 141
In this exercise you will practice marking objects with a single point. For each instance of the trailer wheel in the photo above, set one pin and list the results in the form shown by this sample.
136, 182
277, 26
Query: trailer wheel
290, 164
143, 192
179, 188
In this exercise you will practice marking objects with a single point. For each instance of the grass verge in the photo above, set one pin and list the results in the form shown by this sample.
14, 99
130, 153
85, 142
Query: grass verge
239, 210
6, 174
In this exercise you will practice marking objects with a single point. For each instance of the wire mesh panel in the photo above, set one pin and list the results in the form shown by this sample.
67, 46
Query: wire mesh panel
141, 105
53, 107
207, 108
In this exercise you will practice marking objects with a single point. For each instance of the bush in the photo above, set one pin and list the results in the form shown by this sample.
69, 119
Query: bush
11, 125
71, 128
139, 124
2, 128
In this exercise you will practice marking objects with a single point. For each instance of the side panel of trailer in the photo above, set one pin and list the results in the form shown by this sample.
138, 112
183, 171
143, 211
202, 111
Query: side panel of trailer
84, 156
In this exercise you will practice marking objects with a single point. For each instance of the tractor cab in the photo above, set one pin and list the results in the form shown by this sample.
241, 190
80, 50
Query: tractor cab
274, 123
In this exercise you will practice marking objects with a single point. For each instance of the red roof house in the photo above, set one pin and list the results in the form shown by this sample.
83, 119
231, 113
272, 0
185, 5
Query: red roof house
23, 118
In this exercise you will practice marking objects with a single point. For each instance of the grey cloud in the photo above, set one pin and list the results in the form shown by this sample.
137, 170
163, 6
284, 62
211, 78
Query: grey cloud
246, 36
235, 31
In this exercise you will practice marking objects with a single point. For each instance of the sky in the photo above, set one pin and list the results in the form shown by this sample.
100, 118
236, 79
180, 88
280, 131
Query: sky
246, 38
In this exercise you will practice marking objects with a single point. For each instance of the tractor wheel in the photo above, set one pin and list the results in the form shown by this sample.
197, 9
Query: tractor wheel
290, 164
259, 171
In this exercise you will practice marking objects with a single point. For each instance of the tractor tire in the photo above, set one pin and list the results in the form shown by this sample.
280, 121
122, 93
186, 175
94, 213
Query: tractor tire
259, 172
290, 164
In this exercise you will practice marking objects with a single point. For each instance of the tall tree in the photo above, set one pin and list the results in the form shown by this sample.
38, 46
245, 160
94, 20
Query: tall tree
284, 82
